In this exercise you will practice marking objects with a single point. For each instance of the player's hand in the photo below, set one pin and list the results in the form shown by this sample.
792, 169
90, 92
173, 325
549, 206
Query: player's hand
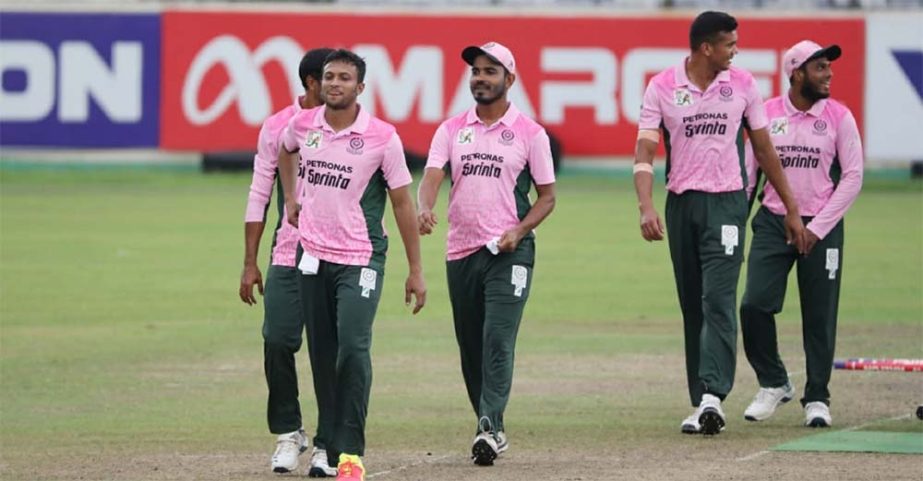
416, 287
426, 220
794, 232
251, 275
810, 239
509, 241
651, 225
293, 209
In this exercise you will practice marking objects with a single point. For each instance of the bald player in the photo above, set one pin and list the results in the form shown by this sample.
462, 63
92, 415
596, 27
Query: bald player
350, 165
282, 322
495, 154
702, 106
818, 141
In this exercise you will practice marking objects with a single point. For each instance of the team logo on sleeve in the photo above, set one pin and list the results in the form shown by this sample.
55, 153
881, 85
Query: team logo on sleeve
313, 140
820, 127
355, 145
682, 97
506, 137
466, 136
726, 93
778, 126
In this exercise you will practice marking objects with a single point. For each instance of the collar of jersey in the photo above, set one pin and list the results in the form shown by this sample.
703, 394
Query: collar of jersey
508, 118
682, 80
816, 110
358, 127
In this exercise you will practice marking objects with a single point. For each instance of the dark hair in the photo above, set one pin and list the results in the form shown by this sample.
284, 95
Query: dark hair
708, 25
346, 56
312, 64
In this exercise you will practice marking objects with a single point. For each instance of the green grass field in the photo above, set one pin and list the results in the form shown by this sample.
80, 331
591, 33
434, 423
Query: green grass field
122, 337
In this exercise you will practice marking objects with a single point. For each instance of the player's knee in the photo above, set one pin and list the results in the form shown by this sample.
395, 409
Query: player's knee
281, 344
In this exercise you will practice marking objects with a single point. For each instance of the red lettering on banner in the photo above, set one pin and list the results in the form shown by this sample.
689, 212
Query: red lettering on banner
583, 78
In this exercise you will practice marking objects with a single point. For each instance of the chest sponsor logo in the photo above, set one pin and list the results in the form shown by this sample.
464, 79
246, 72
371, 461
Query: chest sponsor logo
355, 146
726, 93
820, 127
314, 139
507, 137
466, 136
778, 126
682, 98
325, 174
707, 123
482, 165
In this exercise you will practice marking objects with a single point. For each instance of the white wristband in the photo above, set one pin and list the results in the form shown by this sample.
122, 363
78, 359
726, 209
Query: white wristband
643, 167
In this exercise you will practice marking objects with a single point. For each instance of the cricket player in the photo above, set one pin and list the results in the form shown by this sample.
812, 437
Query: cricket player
818, 141
495, 154
702, 107
351, 163
282, 322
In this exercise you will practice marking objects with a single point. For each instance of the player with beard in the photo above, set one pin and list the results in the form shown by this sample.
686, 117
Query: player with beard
703, 106
494, 154
819, 144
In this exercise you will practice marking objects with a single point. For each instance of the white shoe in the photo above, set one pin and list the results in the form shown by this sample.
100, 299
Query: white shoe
288, 447
766, 401
502, 443
712, 416
320, 467
691, 424
817, 415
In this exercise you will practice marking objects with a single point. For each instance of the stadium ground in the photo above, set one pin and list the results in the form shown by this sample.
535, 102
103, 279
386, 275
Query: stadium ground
125, 353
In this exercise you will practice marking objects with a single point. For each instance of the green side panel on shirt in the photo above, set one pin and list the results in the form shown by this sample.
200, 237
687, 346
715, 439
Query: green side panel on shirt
836, 171
373, 208
741, 152
280, 207
666, 144
521, 194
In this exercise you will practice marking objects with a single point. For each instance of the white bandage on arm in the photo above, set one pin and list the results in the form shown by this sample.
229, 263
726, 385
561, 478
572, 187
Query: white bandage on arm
642, 167
649, 134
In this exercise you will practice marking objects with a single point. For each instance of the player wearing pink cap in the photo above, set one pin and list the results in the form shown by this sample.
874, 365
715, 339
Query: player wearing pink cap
818, 141
702, 106
351, 163
282, 322
494, 154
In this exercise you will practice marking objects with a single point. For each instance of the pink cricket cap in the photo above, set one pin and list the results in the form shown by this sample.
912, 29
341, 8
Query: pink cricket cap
494, 51
805, 51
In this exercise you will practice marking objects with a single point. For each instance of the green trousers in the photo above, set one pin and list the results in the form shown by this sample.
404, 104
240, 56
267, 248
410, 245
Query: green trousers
819, 274
488, 294
283, 327
339, 306
706, 237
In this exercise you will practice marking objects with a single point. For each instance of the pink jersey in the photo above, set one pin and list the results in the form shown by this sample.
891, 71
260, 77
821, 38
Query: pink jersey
701, 129
815, 148
492, 171
345, 178
265, 170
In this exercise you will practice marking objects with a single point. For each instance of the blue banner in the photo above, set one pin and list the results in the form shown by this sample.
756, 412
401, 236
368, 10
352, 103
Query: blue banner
79, 80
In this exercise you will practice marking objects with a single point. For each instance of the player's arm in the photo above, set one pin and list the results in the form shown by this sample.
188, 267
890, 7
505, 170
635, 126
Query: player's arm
543, 206
288, 170
645, 150
255, 219
439, 152
426, 199
771, 166
849, 154
397, 176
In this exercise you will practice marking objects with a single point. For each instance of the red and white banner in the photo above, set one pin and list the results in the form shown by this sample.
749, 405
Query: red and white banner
583, 78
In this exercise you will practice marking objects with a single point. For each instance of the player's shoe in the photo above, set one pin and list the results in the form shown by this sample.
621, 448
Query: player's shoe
817, 415
691, 424
502, 443
350, 468
288, 447
484, 449
320, 468
712, 417
766, 401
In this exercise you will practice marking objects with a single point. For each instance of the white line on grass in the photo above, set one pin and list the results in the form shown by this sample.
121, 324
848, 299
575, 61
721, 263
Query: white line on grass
408, 466
845, 430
